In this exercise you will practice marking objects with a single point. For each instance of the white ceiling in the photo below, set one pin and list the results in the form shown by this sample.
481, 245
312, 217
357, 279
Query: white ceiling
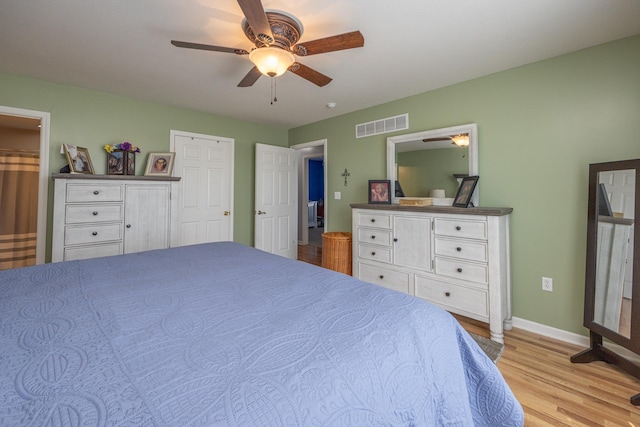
411, 46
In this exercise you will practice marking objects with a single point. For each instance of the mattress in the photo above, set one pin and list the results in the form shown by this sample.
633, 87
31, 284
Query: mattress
223, 334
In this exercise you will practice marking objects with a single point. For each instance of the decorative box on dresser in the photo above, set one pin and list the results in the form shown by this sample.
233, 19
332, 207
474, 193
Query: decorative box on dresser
103, 215
457, 258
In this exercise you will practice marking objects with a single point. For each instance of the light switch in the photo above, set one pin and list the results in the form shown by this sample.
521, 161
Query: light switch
337, 195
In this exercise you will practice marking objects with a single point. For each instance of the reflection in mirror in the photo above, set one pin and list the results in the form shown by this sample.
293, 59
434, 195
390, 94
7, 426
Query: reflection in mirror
435, 164
614, 269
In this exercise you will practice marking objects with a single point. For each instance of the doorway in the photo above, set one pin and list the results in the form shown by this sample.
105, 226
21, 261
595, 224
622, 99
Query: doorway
24, 160
312, 217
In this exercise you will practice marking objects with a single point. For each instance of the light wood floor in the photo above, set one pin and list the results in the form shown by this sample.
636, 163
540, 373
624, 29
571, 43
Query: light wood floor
552, 390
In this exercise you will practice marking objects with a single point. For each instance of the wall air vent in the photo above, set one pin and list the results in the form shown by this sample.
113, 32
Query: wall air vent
377, 127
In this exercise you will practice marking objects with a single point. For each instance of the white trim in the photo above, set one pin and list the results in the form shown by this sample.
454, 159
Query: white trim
43, 176
570, 337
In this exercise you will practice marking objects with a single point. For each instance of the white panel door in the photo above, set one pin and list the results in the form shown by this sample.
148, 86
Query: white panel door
146, 217
276, 221
205, 164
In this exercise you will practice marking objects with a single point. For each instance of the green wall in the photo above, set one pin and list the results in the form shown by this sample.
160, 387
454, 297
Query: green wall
419, 172
92, 119
540, 126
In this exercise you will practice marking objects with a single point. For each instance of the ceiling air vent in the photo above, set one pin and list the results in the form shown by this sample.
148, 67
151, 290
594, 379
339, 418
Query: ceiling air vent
377, 127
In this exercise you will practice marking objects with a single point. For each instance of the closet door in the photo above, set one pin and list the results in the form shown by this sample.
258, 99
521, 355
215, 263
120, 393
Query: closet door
146, 216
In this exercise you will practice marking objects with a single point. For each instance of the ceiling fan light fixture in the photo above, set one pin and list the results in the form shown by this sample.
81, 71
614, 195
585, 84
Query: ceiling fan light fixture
272, 61
461, 140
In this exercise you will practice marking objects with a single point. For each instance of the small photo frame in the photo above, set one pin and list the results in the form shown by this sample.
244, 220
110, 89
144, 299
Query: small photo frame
115, 163
78, 159
159, 164
379, 191
465, 191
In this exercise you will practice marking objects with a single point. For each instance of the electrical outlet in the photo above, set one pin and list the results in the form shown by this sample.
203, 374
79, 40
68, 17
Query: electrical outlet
547, 284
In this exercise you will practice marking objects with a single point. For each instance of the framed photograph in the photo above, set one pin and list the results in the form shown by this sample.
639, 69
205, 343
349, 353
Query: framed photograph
159, 164
399, 191
115, 163
78, 158
465, 191
379, 191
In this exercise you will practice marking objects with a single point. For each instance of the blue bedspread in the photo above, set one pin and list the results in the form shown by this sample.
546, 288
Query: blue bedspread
224, 334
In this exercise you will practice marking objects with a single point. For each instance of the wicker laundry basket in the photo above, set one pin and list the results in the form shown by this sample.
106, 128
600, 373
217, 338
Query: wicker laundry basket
336, 251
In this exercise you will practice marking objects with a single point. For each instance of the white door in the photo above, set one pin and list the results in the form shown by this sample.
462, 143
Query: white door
146, 217
205, 164
276, 220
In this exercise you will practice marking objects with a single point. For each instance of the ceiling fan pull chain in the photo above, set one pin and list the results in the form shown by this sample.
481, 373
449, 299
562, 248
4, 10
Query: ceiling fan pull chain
274, 89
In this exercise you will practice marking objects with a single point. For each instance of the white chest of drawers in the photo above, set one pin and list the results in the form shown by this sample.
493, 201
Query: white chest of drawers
456, 258
97, 216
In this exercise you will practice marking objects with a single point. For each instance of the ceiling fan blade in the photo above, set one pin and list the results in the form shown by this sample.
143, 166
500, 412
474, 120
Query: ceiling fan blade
257, 20
252, 76
443, 138
330, 44
310, 74
190, 45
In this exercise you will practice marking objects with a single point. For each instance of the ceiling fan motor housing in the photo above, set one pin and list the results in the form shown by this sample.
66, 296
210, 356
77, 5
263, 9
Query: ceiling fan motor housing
286, 32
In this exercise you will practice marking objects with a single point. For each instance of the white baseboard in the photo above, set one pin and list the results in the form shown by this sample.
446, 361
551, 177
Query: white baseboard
570, 337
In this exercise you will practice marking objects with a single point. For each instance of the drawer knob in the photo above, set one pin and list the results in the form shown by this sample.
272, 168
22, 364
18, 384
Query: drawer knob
458, 228
95, 212
395, 239
447, 294
95, 233
373, 220
128, 225
373, 254
373, 237
96, 192
459, 249
459, 270
381, 276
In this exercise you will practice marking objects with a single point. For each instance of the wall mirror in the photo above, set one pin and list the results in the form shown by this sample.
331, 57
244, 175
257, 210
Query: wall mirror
421, 166
612, 291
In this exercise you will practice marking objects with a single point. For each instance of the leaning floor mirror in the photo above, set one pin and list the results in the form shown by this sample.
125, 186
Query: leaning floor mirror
612, 287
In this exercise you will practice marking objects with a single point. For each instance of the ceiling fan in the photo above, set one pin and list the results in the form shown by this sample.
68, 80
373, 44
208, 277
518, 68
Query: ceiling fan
461, 140
275, 36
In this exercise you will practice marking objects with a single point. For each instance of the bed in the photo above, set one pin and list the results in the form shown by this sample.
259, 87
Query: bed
224, 334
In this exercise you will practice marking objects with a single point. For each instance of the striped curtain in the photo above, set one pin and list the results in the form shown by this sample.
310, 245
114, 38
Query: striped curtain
18, 208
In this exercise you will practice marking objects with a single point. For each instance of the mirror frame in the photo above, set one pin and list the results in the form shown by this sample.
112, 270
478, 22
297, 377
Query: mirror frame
471, 129
633, 341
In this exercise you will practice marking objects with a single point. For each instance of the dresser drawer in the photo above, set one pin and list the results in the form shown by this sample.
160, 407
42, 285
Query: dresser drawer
77, 235
94, 193
383, 277
92, 251
462, 249
374, 220
454, 297
374, 253
477, 273
78, 214
461, 228
374, 236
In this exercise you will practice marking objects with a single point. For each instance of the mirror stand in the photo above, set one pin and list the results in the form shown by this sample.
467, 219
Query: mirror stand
612, 275
597, 352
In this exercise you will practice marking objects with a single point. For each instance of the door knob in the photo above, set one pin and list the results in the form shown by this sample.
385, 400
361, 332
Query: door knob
226, 213
261, 213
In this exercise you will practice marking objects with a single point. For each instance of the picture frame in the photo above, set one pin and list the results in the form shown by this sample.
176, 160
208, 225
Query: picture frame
465, 191
79, 159
604, 207
115, 163
160, 164
399, 190
379, 191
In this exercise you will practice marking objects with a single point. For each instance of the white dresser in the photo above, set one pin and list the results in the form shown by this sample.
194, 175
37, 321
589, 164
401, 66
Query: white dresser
456, 258
98, 215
